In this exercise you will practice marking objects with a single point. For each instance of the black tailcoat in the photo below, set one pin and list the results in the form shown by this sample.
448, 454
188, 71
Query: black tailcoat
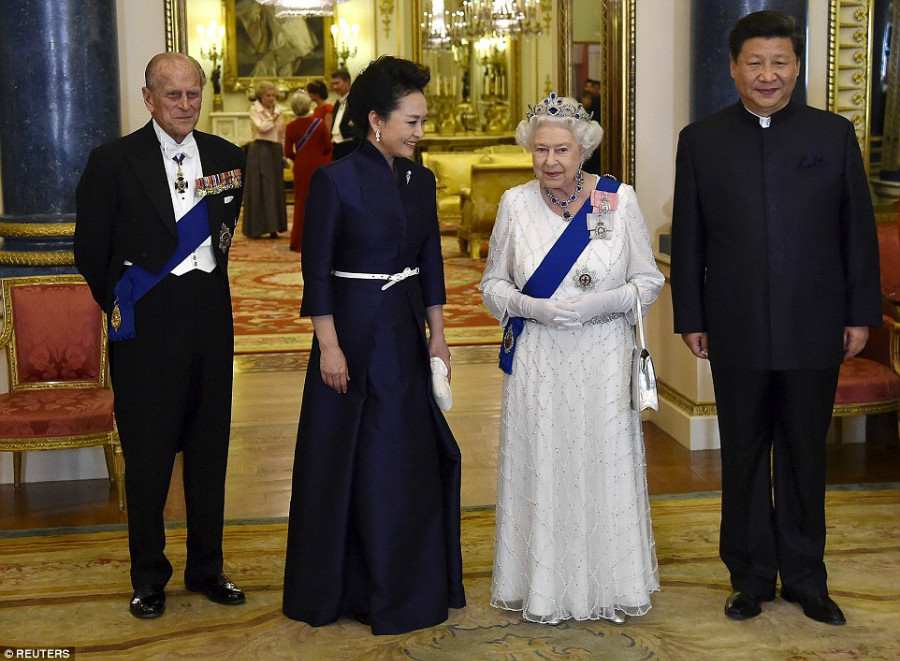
172, 382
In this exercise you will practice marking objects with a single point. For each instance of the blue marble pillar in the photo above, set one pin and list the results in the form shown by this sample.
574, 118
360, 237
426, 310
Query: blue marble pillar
711, 21
59, 98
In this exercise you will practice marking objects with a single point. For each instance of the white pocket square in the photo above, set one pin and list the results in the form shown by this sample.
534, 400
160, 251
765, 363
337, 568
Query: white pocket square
228, 198
440, 384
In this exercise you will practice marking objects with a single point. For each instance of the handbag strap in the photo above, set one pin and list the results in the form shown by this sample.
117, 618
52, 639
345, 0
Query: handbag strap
639, 321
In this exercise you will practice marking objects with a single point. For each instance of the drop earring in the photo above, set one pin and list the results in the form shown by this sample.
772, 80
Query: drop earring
377, 135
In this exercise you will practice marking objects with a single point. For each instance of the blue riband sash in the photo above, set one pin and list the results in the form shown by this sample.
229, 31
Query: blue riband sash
193, 229
306, 135
553, 269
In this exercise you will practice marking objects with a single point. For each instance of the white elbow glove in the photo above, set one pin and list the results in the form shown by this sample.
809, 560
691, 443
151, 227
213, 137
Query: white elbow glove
601, 304
548, 312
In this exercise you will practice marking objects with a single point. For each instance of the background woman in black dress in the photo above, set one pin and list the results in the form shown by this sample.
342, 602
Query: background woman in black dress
374, 520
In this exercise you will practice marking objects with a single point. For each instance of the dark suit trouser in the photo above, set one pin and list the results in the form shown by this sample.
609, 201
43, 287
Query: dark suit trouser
172, 386
772, 426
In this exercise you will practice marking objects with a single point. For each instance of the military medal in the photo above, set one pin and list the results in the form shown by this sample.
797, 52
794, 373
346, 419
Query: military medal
116, 318
600, 222
599, 226
508, 339
181, 184
216, 183
225, 238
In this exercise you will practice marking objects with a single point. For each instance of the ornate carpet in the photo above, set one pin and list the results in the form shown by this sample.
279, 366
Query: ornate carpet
68, 590
266, 288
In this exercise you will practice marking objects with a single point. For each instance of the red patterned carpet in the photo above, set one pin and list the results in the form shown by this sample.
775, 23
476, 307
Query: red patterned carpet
266, 288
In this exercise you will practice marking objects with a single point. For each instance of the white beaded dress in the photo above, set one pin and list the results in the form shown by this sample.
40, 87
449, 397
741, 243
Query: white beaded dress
573, 538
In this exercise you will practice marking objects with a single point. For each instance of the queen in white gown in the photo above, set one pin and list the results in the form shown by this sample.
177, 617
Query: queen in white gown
574, 537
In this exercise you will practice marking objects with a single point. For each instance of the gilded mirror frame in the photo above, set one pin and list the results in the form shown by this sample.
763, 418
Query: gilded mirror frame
176, 25
850, 65
618, 112
619, 70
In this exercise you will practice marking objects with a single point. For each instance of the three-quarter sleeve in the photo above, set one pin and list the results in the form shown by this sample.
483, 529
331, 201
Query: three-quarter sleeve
430, 259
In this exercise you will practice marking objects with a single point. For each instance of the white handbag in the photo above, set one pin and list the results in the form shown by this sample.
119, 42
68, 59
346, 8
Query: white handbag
643, 376
440, 384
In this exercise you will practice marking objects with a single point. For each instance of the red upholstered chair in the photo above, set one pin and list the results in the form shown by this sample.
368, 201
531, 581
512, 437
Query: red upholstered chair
870, 382
59, 391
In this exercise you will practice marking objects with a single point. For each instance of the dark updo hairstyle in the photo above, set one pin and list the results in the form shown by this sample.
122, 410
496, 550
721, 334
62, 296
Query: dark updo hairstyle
768, 25
380, 86
317, 87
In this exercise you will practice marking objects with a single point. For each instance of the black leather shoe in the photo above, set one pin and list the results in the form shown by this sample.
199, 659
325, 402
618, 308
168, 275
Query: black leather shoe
820, 609
147, 604
743, 605
220, 590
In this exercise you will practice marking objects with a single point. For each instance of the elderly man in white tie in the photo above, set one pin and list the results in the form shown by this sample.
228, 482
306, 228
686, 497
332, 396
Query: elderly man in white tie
156, 211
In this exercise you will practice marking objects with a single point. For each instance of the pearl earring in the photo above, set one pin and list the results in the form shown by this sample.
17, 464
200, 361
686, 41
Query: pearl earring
377, 135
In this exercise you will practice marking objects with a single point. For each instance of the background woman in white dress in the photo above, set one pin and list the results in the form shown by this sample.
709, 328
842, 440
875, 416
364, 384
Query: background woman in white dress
573, 537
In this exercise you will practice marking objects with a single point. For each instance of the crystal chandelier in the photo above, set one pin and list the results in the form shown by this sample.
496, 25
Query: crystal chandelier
301, 7
479, 18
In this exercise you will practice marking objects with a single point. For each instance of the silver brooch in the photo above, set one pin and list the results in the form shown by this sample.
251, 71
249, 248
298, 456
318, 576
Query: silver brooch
408, 175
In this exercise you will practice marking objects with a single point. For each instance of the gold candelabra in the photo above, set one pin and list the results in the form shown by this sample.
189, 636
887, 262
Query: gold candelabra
211, 37
344, 37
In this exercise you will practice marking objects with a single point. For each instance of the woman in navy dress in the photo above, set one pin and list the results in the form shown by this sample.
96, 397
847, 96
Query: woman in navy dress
374, 520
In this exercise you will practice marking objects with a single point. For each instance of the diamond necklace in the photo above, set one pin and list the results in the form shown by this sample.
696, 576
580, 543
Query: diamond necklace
562, 204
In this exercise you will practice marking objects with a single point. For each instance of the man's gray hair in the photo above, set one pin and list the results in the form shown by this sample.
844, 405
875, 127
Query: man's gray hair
153, 65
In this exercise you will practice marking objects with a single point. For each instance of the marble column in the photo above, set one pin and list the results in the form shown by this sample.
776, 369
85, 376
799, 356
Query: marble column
59, 98
711, 85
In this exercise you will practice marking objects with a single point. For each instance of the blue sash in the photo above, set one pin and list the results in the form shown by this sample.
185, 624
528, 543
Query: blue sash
192, 229
553, 269
306, 135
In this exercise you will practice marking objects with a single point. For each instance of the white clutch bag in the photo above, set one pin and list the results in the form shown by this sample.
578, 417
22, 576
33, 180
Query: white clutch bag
440, 385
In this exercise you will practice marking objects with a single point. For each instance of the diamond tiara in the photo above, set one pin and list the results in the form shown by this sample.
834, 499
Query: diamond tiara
555, 106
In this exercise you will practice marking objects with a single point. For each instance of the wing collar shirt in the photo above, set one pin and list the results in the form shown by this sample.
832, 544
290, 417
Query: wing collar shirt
336, 136
202, 258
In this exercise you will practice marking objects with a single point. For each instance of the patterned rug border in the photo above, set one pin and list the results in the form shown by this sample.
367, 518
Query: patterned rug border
277, 520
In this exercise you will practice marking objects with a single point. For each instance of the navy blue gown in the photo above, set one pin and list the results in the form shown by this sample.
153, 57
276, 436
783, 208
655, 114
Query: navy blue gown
374, 519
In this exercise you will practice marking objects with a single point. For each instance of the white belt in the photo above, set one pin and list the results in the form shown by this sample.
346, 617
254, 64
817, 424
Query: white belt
392, 279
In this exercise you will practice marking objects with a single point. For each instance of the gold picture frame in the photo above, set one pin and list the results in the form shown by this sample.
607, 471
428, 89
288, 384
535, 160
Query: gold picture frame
850, 65
288, 51
617, 114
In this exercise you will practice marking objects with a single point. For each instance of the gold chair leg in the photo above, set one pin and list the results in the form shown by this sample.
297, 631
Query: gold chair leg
119, 462
109, 454
475, 247
17, 470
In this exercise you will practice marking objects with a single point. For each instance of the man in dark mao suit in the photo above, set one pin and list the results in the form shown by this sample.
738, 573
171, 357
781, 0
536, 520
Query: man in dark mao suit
775, 281
172, 380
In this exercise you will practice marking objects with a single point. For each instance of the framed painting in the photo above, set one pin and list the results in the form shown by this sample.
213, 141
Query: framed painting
289, 50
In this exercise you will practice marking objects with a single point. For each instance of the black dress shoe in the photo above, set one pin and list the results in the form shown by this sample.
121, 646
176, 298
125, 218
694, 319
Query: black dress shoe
820, 609
220, 590
147, 604
743, 605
